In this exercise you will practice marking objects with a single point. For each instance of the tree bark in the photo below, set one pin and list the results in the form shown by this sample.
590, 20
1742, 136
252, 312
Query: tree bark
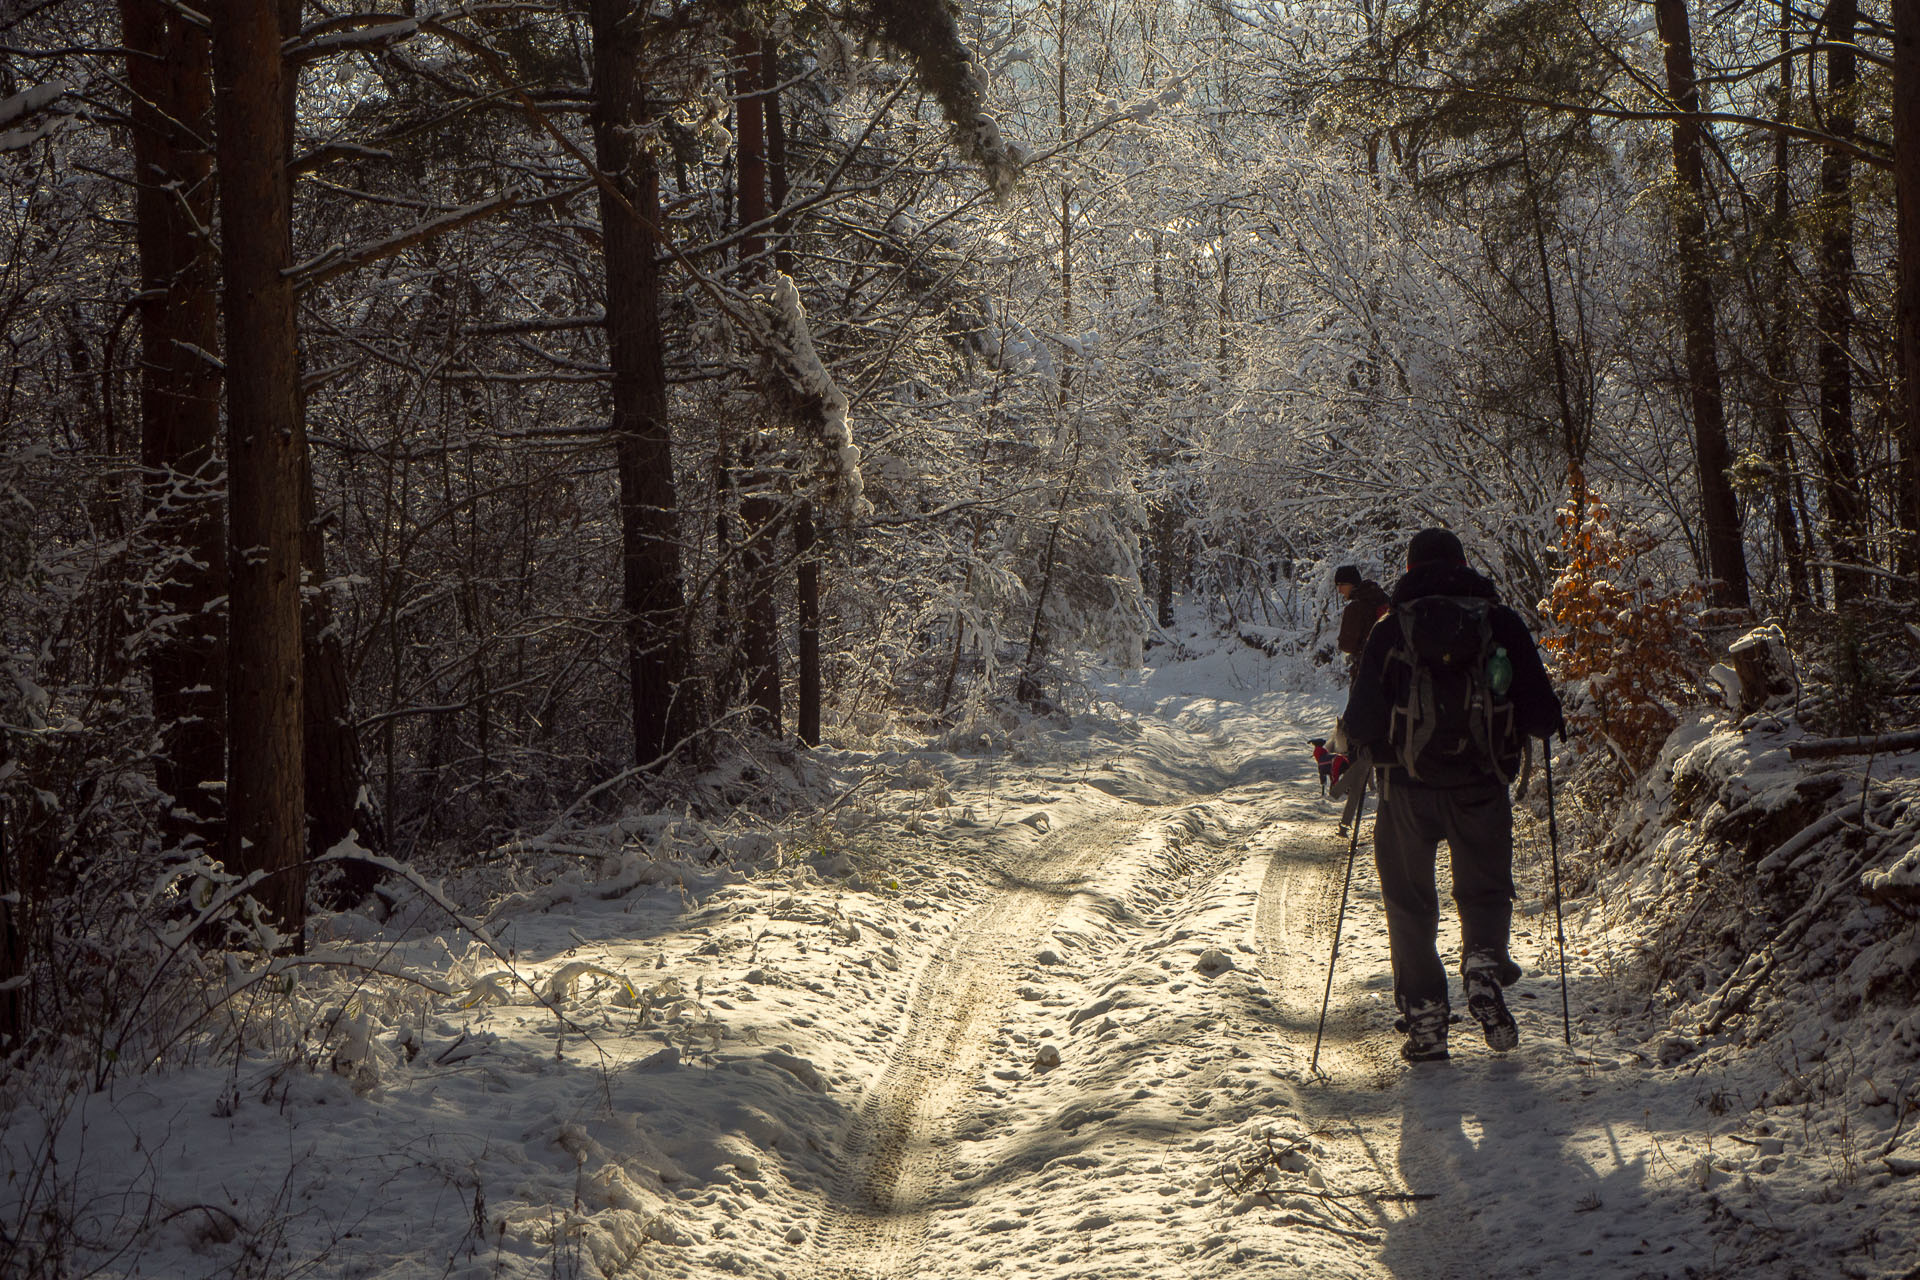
1786, 522
1906, 179
13, 941
807, 690
776, 156
750, 152
1029, 688
807, 607
265, 451
339, 804
1839, 470
337, 800
1164, 532
760, 607
1573, 440
1164, 522
759, 506
653, 595
1827, 748
1726, 553
170, 73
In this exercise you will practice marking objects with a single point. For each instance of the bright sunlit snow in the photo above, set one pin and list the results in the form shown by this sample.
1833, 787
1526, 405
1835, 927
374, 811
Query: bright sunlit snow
1045, 1011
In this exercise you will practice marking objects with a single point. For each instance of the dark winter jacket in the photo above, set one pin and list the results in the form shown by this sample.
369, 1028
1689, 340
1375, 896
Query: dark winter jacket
1379, 687
1364, 608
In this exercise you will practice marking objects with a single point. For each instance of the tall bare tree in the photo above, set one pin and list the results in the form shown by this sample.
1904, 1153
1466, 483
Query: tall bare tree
653, 597
170, 76
1777, 313
759, 505
1726, 555
1839, 468
807, 691
266, 449
1906, 178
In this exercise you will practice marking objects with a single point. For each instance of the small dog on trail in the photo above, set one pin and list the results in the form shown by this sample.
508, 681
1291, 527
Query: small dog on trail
1330, 763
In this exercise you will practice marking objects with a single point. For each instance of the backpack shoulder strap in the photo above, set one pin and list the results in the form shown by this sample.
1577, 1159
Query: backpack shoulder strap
1410, 722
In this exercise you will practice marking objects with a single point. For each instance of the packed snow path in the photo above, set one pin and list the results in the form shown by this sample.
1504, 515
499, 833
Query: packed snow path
1039, 1011
893, 1155
1172, 954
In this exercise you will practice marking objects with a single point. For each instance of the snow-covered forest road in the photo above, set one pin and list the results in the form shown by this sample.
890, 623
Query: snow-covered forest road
679, 640
1044, 1010
1172, 951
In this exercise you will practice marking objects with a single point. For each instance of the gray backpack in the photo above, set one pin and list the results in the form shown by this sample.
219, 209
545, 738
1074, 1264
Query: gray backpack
1455, 723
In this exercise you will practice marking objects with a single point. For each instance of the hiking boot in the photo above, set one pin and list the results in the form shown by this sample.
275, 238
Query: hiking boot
1487, 1005
1505, 970
1400, 1023
1426, 1032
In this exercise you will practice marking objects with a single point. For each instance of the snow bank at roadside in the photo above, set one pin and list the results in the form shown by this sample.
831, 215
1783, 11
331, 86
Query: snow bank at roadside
1761, 938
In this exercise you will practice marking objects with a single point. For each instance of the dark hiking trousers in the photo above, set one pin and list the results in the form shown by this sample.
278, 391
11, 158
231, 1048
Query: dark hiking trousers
1477, 824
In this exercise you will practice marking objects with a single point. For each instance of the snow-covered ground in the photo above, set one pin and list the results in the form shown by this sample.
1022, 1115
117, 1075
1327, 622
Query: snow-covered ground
1041, 1011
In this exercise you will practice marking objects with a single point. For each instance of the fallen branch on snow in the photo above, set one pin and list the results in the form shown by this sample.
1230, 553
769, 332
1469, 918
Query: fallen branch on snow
1820, 748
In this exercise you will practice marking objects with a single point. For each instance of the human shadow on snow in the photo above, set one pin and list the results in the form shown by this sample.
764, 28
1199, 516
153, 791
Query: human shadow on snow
1490, 1150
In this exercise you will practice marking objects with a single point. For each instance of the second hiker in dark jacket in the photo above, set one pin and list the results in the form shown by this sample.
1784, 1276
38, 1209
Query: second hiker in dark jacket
1464, 803
1365, 603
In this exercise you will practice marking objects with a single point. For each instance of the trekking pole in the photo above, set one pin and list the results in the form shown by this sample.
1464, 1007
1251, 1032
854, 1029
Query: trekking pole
1559, 922
1353, 849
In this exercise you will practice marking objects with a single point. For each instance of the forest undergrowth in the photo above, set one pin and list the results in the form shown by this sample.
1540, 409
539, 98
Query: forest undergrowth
1755, 897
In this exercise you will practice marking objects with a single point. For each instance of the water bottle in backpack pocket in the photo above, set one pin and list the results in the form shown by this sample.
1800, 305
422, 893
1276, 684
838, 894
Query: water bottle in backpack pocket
1454, 724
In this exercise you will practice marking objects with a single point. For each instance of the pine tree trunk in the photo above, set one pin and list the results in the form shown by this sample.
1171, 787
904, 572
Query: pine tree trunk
1726, 553
1786, 521
750, 153
1839, 469
1029, 688
808, 691
1164, 523
807, 606
170, 73
725, 680
776, 155
339, 803
1573, 440
266, 790
1165, 528
653, 596
1906, 179
760, 606
13, 942
759, 505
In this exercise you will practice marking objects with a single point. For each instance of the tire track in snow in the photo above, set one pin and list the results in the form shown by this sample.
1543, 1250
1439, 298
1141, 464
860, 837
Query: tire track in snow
1294, 924
1370, 1110
898, 1146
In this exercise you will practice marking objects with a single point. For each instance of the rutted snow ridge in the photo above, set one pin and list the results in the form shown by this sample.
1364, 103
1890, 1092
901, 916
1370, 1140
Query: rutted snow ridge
1046, 1013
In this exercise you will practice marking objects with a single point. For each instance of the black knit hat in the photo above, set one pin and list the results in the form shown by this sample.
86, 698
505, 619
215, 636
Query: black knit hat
1435, 546
1346, 575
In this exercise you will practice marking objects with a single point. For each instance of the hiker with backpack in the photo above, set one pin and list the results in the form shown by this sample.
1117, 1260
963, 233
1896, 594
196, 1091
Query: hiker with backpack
1447, 691
1366, 605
